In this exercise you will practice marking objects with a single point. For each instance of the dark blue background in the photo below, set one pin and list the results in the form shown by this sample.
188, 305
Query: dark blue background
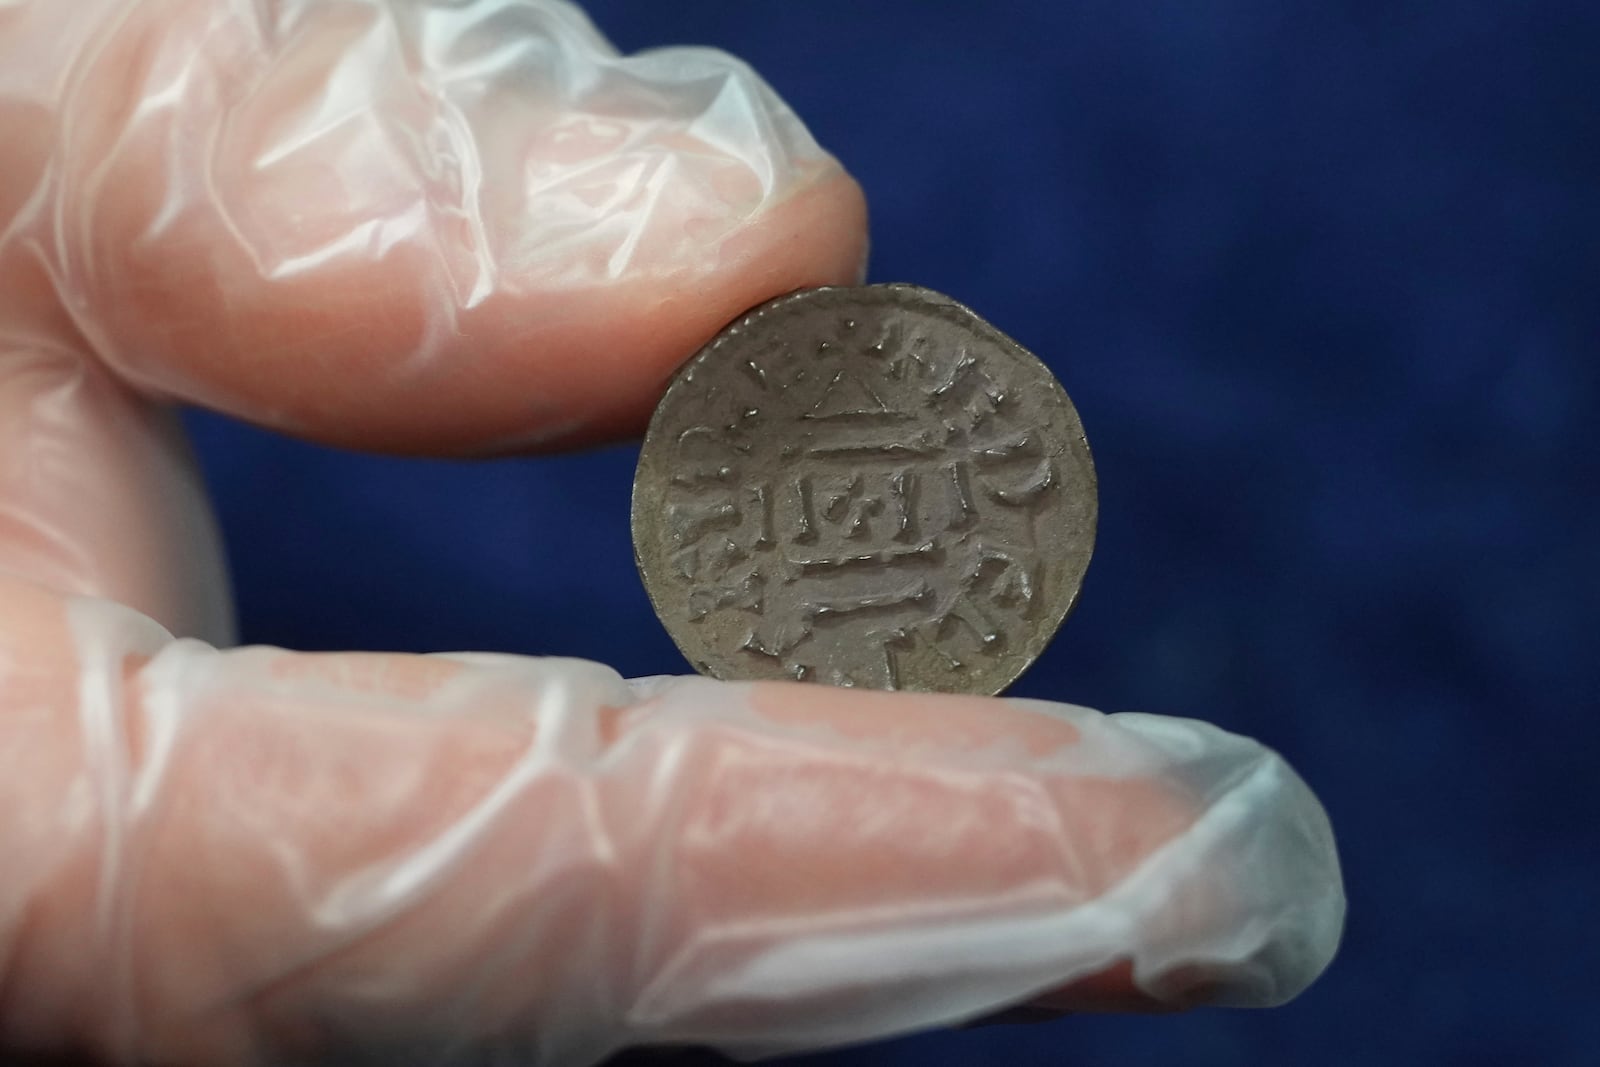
1321, 278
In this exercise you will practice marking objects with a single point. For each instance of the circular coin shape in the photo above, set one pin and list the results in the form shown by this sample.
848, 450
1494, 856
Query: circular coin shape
864, 486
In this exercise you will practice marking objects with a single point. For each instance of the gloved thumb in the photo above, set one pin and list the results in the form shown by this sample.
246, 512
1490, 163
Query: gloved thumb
420, 226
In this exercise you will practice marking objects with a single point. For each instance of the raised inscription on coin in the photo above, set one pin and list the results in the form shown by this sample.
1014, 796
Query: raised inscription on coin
864, 486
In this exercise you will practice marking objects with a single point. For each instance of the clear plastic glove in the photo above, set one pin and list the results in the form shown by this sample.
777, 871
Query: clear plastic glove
469, 227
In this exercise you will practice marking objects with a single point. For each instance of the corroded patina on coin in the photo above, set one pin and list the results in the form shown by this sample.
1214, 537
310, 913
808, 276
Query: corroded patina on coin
864, 486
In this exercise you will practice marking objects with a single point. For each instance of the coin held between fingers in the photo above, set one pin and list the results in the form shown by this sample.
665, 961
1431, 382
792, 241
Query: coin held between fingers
864, 486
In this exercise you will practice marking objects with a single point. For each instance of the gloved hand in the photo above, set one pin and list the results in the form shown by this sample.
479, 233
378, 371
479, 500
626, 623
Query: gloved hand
468, 227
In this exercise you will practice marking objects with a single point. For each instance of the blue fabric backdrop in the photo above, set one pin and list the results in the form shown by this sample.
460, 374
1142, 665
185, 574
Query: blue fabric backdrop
1321, 278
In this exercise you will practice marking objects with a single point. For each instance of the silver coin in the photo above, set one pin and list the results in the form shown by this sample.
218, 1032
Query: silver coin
864, 486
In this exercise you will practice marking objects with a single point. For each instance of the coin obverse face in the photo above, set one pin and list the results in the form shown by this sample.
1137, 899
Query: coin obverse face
867, 487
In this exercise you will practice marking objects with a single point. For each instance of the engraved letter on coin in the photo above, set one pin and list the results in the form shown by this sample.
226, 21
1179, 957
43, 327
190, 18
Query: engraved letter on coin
864, 487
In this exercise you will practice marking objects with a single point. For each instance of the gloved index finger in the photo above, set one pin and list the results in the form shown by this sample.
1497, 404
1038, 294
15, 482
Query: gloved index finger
308, 856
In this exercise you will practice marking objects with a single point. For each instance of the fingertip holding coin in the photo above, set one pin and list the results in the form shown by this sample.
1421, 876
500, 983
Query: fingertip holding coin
871, 487
1084, 862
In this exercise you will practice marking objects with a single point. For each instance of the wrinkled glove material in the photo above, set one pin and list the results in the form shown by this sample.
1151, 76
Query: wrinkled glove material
218, 855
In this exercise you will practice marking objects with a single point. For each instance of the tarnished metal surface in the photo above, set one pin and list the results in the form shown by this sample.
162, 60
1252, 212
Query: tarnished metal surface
864, 486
